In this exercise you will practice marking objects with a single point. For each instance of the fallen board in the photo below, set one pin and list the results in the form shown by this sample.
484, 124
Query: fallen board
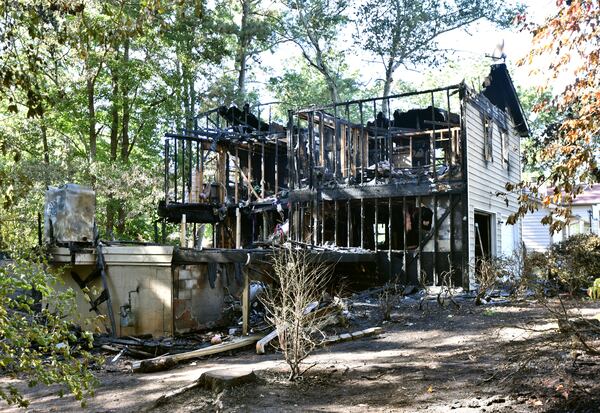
334, 317
262, 343
352, 336
167, 362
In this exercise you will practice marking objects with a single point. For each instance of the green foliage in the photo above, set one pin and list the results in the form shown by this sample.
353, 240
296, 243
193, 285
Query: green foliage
575, 262
405, 32
32, 34
255, 34
594, 290
536, 264
41, 345
542, 126
89, 89
571, 264
302, 86
566, 47
314, 26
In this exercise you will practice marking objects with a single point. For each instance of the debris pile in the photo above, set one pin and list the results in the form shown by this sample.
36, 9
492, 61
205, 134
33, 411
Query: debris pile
336, 320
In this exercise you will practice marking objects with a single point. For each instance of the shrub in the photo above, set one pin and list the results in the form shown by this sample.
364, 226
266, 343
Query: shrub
388, 299
575, 262
536, 264
300, 281
490, 272
39, 343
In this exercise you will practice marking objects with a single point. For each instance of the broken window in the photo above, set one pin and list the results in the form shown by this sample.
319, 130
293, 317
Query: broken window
488, 133
504, 145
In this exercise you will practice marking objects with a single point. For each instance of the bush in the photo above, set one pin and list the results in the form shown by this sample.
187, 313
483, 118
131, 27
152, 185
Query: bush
39, 343
490, 272
536, 264
300, 282
575, 262
571, 265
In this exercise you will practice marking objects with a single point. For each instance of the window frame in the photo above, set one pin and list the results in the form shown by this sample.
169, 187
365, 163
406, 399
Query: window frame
504, 145
488, 135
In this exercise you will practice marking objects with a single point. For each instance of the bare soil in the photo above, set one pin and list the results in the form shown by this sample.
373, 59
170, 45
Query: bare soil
495, 358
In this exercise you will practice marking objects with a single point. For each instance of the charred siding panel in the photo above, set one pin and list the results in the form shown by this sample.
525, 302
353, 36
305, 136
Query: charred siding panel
486, 178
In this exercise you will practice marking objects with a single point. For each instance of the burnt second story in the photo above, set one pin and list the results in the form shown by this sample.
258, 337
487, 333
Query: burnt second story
403, 144
231, 158
411, 179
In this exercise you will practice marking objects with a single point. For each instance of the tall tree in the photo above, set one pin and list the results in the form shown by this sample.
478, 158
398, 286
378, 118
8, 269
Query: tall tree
566, 47
255, 34
405, 32
314, 26
302, 85
542, 126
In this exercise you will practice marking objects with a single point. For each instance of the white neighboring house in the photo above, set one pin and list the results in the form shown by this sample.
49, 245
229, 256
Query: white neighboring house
585, 219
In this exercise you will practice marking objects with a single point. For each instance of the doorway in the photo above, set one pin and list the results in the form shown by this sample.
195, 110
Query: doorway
483, 236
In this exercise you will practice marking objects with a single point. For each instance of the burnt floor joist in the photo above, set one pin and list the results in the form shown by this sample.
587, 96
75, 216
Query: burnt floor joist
382, 191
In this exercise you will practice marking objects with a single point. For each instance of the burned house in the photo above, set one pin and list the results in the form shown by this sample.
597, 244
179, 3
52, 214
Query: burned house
401, 188
405, 187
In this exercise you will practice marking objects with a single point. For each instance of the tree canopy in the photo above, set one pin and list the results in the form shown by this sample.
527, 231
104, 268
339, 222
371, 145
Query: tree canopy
566, 52
406, 32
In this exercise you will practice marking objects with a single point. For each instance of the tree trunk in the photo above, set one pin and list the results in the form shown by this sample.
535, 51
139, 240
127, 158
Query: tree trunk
121, 213
114, 126
126, 109
242, 53
192, 100
44, 130
387, 87
114, 145
333, 91
91, 117
331, 86
187, 114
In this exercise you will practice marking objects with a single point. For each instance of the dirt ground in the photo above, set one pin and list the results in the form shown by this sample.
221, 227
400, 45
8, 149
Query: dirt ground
506, 357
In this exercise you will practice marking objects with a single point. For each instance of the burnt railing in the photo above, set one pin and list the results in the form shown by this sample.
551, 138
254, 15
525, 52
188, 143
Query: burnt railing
400, 138
223, 156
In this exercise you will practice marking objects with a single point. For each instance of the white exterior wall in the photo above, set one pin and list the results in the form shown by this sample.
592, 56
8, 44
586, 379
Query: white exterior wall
536, 236
583, 215
485, 179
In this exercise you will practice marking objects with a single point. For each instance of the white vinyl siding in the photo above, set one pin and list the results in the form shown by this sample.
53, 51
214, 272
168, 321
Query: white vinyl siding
536, 236
487, 178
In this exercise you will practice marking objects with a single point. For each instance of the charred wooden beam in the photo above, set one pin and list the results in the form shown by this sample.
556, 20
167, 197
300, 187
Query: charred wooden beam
195, 212
377, 191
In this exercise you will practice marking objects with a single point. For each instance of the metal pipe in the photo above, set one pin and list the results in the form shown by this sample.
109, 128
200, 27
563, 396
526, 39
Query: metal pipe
432, 143
167, 166
404, 237
175, 175
362, 154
